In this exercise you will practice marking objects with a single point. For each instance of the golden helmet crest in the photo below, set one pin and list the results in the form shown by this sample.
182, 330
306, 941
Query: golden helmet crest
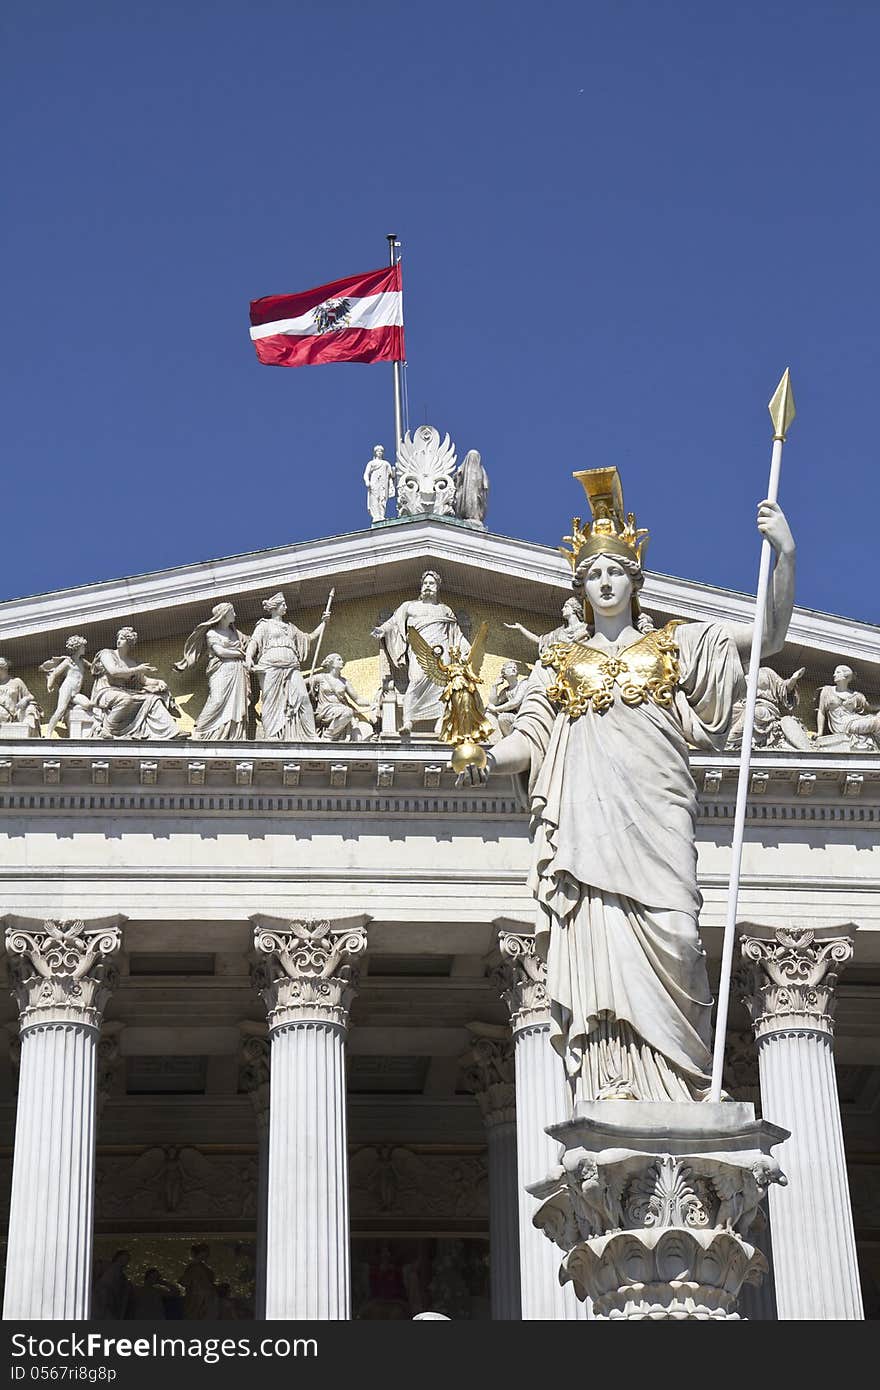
611, 531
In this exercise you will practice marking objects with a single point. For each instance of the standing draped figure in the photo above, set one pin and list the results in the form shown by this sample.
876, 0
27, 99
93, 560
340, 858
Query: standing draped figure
471, 489
600, 743
224, 714
277, 652
439, 626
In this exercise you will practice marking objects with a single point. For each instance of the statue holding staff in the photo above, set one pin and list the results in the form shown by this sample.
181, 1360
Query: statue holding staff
276, 652
600, 744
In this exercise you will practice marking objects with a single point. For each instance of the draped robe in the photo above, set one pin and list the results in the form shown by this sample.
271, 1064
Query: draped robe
614, 874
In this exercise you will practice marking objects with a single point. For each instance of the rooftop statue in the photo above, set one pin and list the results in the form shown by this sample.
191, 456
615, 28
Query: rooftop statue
601, 744
225, 712
129, 698
776, 725
472, 490
425, 474
339, 710
17, 704
458, 675
379, 478
506, 696
68, 672
276, 652
844, 718
439, 627
573, 627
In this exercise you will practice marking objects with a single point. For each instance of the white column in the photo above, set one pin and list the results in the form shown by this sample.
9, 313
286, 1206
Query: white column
62, 974
306, 978
791, 1000
490, 1076
542, 1099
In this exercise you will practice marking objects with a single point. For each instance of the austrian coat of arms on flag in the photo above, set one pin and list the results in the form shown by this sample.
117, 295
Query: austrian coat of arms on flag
359, 319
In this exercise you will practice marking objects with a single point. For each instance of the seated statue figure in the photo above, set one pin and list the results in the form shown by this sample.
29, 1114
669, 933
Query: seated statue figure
17, 704
776, 725
130, 699
844, 719
506, 696
337, 704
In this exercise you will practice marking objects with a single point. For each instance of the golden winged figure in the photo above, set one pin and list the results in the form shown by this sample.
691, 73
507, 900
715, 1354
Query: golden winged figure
464, 720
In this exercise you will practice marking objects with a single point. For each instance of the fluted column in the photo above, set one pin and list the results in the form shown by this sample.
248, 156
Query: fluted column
791, 1000
306, 977
61, 974
489, 1074
542, 1099
253, 1078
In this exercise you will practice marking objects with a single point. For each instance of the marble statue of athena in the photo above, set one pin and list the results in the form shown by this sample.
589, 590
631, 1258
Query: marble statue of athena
601, 742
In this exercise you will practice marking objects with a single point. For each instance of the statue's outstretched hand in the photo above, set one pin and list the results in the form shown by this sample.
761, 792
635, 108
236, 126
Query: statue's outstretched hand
774, 527
472, 776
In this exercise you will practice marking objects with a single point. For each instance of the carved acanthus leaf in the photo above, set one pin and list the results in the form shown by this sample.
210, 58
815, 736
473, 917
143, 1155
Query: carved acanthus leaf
63, 971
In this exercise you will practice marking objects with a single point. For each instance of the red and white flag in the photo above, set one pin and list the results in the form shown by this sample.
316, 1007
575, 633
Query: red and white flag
359, 319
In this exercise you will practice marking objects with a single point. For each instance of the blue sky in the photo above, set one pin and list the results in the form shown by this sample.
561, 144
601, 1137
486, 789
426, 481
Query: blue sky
621, 221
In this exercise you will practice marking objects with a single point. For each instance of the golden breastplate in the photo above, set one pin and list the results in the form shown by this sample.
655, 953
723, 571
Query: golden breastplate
588, 678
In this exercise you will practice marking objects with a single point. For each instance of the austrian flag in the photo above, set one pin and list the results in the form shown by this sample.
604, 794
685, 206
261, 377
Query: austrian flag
359, 319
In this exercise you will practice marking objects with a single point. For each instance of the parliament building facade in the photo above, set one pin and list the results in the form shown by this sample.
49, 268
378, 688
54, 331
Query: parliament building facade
277, 1036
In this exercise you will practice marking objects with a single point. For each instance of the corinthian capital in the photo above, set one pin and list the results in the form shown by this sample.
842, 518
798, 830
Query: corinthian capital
790, 978
521, 978
62, 972
307, 970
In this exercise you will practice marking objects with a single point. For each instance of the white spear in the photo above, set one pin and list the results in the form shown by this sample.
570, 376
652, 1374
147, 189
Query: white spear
781, 413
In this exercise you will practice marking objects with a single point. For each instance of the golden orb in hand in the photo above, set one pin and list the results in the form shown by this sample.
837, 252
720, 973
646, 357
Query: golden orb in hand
468, 754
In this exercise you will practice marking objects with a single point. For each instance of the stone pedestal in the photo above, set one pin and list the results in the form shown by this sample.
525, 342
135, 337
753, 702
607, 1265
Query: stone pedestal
542, 1099
791, 1000
17, 729
253, 1078
652, 1205
489, 1075
306, 977
61, 975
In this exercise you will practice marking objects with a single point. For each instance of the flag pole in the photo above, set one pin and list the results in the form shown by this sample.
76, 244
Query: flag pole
781, 413
393, 245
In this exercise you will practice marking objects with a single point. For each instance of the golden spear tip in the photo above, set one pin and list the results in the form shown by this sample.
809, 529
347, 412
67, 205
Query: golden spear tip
781, 406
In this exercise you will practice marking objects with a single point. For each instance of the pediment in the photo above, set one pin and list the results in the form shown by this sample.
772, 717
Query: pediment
484, 575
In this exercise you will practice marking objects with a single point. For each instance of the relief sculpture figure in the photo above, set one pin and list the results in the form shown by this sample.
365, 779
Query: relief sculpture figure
600, 747
225, 712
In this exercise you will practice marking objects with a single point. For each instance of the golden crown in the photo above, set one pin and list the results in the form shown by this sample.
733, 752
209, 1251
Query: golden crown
611, 531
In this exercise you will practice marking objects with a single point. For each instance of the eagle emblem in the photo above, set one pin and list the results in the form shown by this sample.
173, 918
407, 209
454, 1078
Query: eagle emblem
333, 313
